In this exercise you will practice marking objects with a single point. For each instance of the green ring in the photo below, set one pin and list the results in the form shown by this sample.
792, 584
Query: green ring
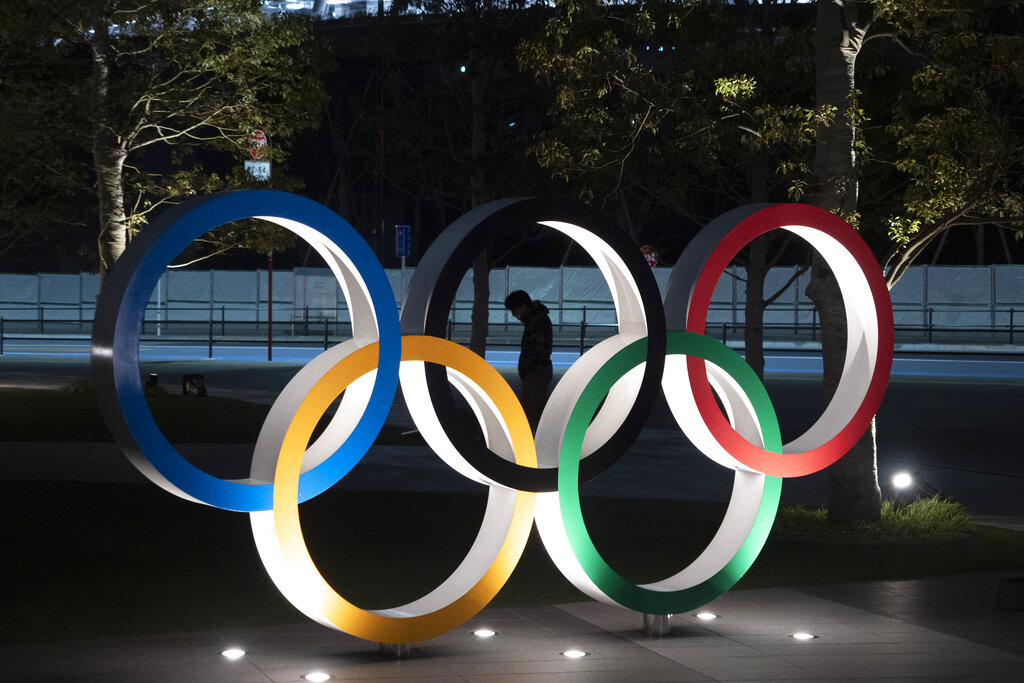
604, 577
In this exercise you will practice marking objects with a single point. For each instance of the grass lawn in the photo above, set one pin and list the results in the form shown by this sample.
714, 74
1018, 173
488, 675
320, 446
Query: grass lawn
43, 415
92, 560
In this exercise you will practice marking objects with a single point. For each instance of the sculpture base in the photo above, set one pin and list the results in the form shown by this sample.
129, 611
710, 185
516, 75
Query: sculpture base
657, 624
395, 650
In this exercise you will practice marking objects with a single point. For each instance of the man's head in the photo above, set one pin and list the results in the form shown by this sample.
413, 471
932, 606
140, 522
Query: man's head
517, 302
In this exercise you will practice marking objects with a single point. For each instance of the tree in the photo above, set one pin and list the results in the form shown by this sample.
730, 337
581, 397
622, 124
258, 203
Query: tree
840, 30
653, 121
165, 79
957, 124
451, 91
948, 153
38, 179
930, 123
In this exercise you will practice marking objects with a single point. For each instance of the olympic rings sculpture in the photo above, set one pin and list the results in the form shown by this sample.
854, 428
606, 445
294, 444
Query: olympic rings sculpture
596, 410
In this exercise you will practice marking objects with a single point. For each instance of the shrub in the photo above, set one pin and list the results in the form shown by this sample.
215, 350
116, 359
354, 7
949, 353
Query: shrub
927, 518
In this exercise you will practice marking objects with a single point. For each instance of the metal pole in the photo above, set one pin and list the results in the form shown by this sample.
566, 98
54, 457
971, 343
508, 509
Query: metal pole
507, 292
930, 310
2, 337
814, 324
325, 333
725, 329
2, 334
561, 293
270, 307
992, 294
223, 331
159, 287
209, 350
583, 330
80, 294
402, 300
796, 301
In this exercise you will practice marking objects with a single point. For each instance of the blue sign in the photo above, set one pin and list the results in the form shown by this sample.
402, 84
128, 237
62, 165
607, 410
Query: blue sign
403, 240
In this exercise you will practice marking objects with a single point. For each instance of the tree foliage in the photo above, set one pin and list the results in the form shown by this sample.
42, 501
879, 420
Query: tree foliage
955, 136
38, 179
915, 101
453, 106
455, 113
151, 88
667, 110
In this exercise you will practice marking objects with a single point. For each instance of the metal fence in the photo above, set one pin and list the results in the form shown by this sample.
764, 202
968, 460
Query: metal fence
937, 304
315, 327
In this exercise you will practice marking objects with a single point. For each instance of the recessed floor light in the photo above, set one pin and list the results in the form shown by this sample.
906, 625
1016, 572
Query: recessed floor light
803, 636
484, 633
317, 677
706, 616
233, 653
574, 654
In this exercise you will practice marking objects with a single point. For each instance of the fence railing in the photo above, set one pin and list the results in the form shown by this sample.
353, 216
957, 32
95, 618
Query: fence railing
580, 328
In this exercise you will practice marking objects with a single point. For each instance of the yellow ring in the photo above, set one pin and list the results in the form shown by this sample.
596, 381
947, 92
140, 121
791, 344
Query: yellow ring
382, 626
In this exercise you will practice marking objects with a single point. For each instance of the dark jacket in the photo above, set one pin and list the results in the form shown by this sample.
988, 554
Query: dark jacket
535, 347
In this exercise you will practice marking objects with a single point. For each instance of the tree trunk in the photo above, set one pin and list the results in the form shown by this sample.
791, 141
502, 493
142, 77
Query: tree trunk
113, 235
108, 154
481, 297
754, 305
482, 264
853, 492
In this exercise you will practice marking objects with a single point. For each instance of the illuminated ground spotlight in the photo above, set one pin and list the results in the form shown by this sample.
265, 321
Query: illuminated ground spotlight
907, 487
902, 480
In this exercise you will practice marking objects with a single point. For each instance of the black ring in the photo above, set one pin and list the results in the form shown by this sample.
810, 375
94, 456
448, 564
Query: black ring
432, 291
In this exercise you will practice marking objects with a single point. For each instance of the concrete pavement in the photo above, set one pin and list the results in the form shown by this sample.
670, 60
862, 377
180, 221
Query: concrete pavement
945, 629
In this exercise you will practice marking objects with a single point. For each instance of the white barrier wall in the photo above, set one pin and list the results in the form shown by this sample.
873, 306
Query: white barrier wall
954, 296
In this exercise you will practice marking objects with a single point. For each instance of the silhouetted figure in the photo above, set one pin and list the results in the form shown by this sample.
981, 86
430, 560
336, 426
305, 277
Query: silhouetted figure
534, 352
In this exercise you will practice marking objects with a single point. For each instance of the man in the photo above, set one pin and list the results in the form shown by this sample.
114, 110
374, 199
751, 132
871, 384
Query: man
534, 352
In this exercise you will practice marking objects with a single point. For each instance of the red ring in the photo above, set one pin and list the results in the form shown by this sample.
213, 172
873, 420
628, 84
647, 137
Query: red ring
775, 218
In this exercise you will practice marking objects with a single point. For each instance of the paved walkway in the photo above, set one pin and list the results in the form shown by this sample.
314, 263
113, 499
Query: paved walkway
945, 629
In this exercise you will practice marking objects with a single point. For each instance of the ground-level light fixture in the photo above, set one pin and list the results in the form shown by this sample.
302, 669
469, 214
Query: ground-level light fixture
902, 480
802, 635
706, 616
233, 653
574, 654
317, 677
484, 633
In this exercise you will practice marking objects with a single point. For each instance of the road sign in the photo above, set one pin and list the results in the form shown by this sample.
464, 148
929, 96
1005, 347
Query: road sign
651, 254
403, 240
258, 144
259, 170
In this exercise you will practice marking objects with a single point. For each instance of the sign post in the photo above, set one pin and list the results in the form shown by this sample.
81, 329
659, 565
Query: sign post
270, 306
403, 243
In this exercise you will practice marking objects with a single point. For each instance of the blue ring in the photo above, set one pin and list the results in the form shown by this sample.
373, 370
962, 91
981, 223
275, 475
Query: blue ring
147, 257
